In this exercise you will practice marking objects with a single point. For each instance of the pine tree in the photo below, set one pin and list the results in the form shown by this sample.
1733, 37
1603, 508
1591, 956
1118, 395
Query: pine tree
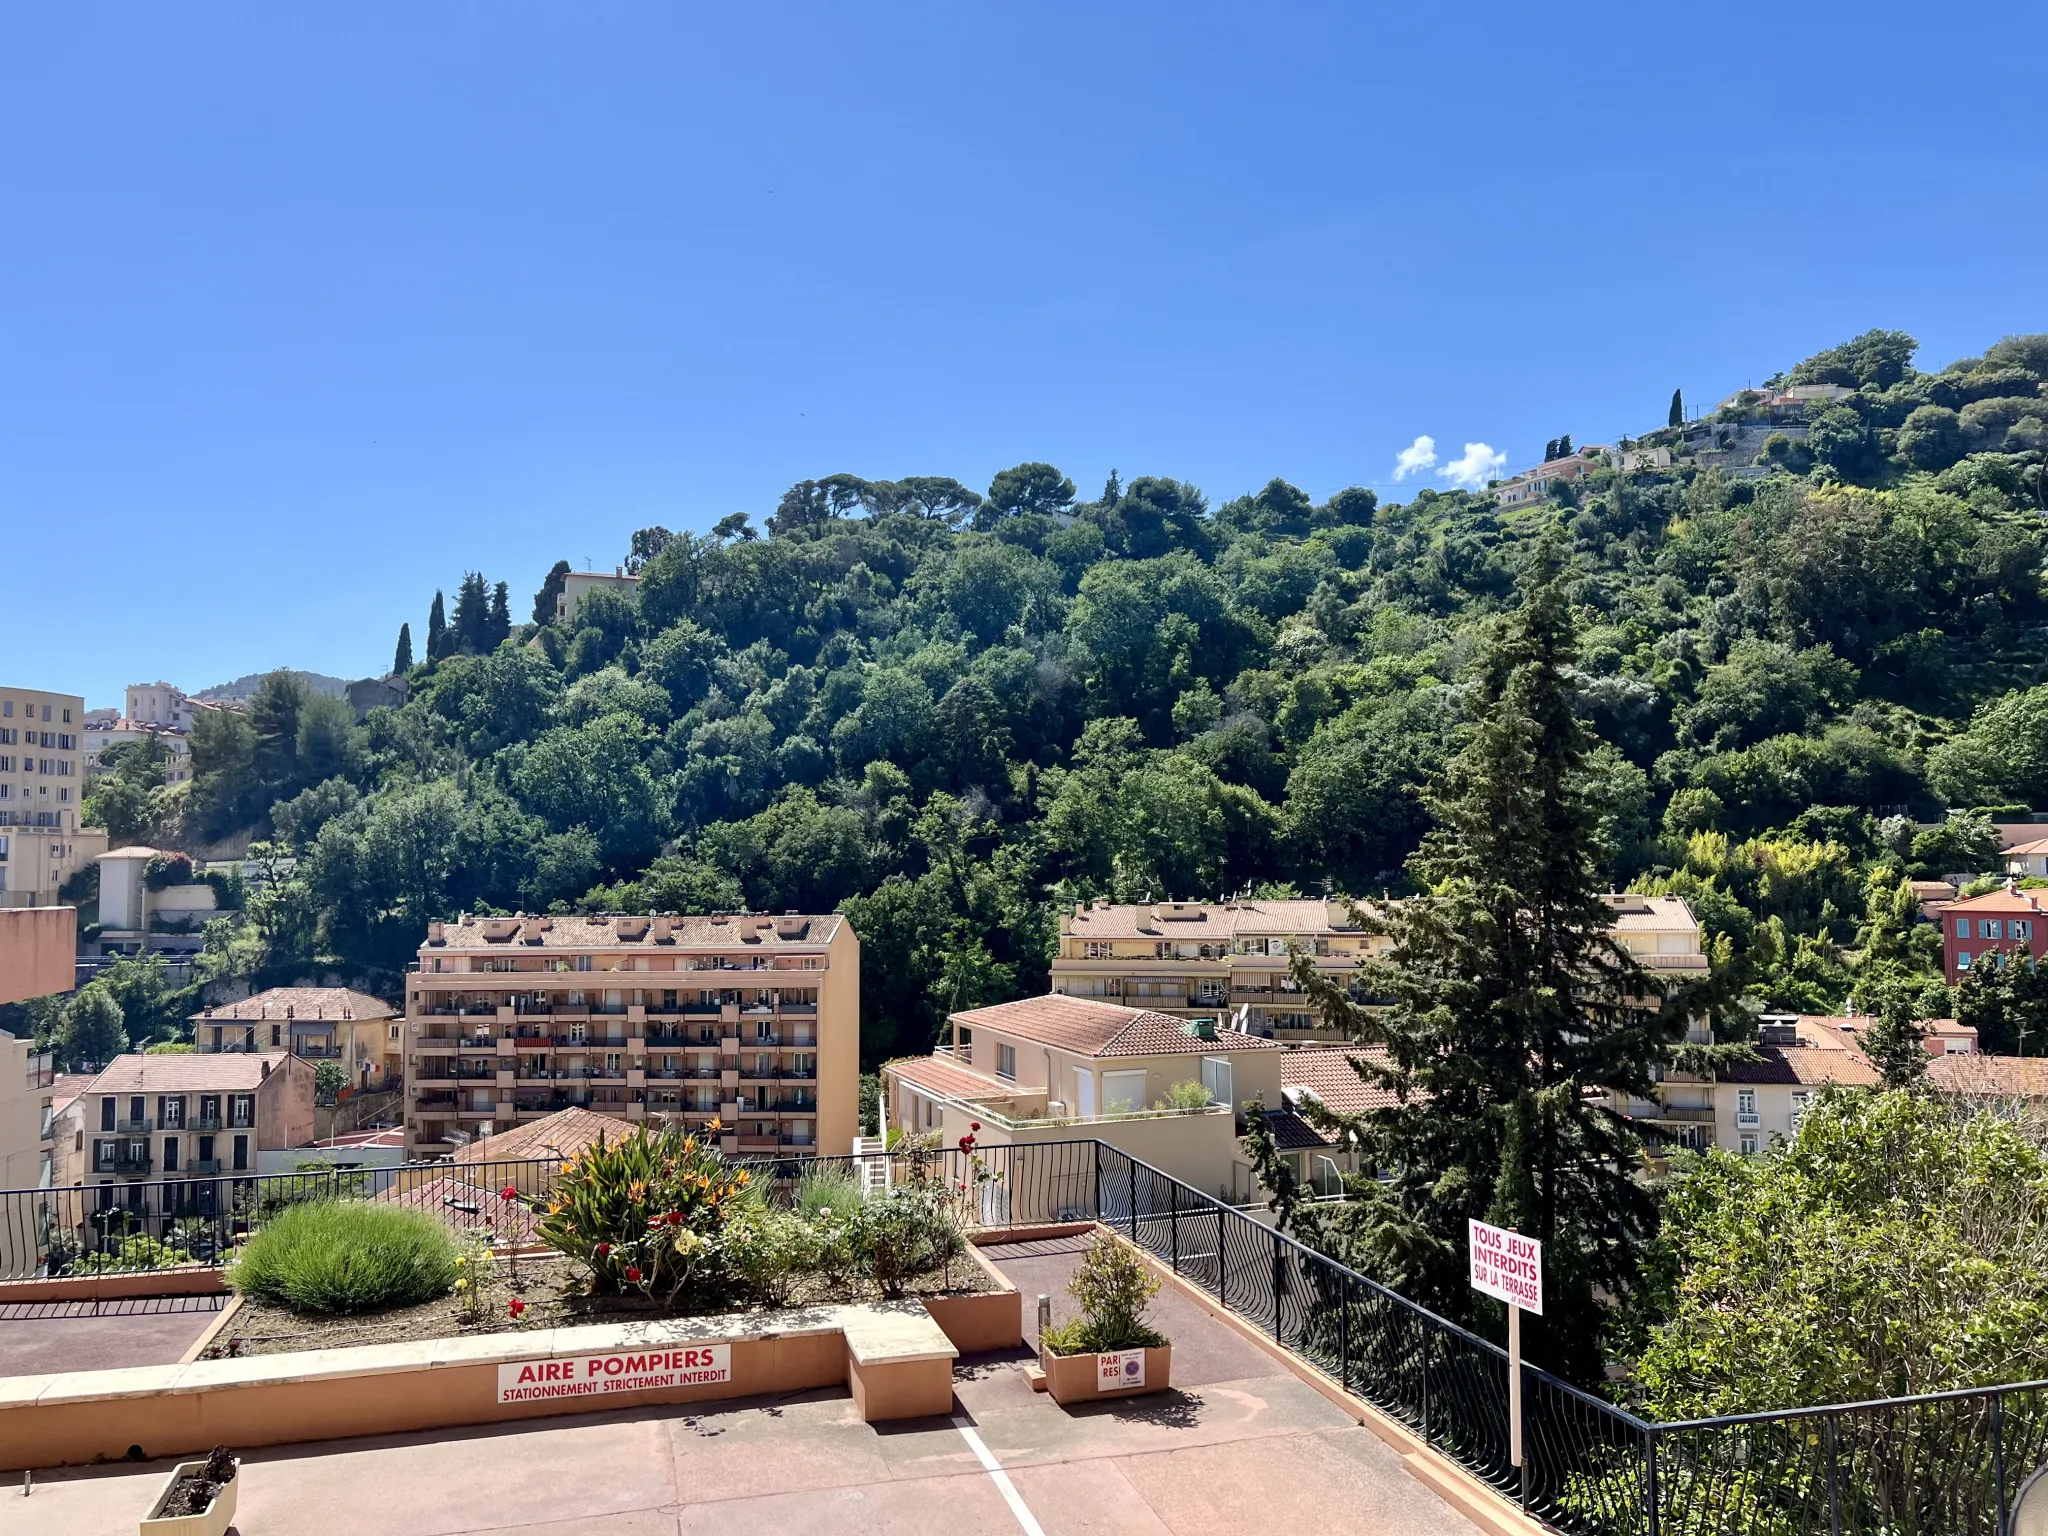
1677, 416
437, 630
1112, 490
1896, 1044
498, 626
401, 662
1515, 1020
1564, 446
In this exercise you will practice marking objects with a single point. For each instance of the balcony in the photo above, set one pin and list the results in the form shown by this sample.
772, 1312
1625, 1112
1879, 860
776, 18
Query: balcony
132, 1127
206, 1125
1748, 1121
201, 1167
132, 1164
42, 1071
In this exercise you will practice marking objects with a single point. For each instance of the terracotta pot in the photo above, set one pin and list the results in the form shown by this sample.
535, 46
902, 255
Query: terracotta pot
1085, 1378
213, 1521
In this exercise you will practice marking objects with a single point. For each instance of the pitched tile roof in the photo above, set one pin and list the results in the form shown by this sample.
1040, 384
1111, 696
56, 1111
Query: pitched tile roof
65, 1088
560, 1135
1291, 1133
1992, 1077
1327, 1075
1089, 1027
2024, 903
314, 1003
940, 1075
462, 1204
1802, 1066
188, 1072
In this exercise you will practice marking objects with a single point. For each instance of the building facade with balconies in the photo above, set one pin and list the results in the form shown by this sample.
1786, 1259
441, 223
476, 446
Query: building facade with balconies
748, 1020
360, 1033
165, 1136
42, 783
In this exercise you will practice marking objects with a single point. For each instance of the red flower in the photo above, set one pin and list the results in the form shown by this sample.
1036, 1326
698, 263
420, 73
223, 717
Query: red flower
674, 1218
508, 1193
604, 1250
974, 1125
633, 1275
517, 1306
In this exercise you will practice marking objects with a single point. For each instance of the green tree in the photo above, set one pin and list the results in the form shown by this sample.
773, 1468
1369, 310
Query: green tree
472, 614
1932, 438
1025, 488
1897, 1043
439, 641
90, 1033
1675, 417
1515, 1018
328, 1081
401, 661
550, 592
498, 621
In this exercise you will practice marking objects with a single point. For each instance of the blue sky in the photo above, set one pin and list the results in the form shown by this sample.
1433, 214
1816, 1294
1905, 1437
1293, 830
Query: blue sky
303, 315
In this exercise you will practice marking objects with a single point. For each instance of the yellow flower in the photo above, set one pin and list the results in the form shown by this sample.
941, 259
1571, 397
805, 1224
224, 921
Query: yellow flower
742, 1177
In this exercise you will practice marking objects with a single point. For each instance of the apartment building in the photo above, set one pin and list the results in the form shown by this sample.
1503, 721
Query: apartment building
1064, 1068
98, 735
1983, 930
749, 1020
163, 705
42, 781
1534, 484
577, 585
163, 1136
1224, 961
1230, 961
27, 1145
360, 1033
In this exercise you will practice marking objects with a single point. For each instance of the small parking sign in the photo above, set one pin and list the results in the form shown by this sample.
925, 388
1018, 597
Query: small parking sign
1125, 1368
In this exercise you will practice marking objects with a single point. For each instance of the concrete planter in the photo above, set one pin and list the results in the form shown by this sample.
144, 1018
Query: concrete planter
1081, 1378
213, 1522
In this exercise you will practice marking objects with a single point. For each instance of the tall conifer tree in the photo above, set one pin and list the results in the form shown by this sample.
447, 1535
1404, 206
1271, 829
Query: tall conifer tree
401, 661
498, 626
437, 630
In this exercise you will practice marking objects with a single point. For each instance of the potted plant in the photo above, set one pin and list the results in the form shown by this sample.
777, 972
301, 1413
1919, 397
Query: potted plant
1110, 1350
198, 1498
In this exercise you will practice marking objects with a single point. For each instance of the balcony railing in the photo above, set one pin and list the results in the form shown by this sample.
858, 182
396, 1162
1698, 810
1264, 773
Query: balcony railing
133, 1127
42, 1071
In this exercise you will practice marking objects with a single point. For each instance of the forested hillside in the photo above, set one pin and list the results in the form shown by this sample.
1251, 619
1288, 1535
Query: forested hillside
950, 712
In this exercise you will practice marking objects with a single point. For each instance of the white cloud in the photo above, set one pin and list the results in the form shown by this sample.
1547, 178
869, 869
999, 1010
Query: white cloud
1479, 465
1418, 456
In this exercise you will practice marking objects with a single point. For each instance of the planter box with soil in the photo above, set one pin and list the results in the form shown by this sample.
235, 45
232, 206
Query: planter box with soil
1126, 1373
198, 1499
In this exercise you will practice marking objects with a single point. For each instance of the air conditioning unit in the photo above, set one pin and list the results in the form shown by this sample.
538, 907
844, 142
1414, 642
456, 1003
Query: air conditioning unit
1055, 1109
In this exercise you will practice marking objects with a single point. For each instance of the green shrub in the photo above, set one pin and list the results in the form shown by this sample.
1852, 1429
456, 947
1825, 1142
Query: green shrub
1113, 1287
1188, 1095
827, 1195
903, 1233
347, 1256
768, 1249
647, 1213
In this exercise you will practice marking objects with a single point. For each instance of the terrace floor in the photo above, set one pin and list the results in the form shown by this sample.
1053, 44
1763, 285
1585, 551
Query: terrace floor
1239, 1444
48, 1336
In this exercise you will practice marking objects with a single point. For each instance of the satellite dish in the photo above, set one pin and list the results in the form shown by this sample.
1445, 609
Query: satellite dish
2030, 1509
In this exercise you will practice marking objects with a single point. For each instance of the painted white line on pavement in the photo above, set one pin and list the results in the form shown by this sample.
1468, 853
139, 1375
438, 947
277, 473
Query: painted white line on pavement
995, 1470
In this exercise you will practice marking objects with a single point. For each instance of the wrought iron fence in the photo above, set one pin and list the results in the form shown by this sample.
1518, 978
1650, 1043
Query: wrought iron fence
1947, 1464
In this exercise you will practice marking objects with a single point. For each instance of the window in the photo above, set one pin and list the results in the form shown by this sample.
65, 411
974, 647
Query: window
107, 1113
170, 1154
1801, 1099
1216, 1078
1096, 949
277, 1034
1747, 1142
1745, 1106
1962, 927
170, 1111
1963, 961
241, 1153
1123, 1092
2022, 928
1006, 1062
242, 1111
1988, 928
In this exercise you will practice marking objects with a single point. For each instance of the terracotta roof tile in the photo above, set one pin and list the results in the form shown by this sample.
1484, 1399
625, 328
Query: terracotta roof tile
1291, 1133
1092, 1028
751, 930
560, 1135
944, 1076
1980, 1076
1328, 1076
2026, 903
1802, 1065
188, 1072
314, 1003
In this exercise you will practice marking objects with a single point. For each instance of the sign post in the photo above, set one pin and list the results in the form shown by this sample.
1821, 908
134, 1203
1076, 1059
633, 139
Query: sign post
1509, 1267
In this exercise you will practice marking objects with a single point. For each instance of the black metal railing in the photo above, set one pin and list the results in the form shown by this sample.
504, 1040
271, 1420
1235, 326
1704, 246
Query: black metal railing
1946, 1464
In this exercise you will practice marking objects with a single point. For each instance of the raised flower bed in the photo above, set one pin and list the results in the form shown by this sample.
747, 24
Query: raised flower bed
1110, 1350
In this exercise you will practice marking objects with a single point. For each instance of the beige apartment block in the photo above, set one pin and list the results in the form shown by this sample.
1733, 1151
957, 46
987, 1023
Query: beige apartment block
1224, 961
749, 1020
360, 1033
1230, 961
38, 952
577, 585
42, 781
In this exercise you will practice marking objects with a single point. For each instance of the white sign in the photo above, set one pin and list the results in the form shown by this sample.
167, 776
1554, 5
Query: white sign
1507, 1266
1126, 1368
636, 1370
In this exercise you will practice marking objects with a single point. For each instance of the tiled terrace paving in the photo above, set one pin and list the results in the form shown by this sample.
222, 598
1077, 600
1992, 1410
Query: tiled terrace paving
1241, 1445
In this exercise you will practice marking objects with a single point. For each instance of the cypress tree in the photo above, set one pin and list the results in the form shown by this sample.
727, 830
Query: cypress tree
401, 662
437, 630
1677, 417
498, 626
550, 590
1112, 490
472, 614
1564, 446
1550, 450
1514, 1019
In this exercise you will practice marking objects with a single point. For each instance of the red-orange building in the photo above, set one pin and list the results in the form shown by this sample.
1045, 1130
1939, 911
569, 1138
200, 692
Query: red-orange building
1999, 922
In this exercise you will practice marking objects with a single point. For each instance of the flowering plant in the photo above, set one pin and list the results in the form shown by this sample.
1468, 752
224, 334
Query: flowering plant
644, 1214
